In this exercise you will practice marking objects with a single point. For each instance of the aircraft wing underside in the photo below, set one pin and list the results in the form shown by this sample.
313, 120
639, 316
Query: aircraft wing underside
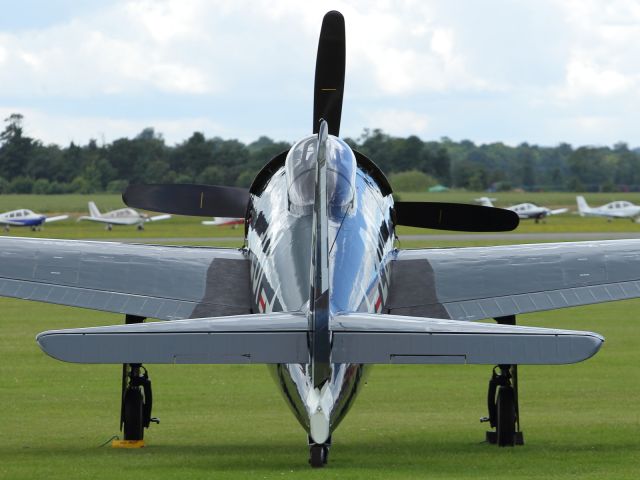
146, 280
113, 221
475, 283
283, 338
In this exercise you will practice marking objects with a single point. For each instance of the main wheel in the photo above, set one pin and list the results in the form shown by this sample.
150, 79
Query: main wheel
318, 455
506, 417
133, 428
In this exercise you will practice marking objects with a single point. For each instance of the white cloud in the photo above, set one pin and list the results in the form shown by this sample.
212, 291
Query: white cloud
585, 78
247, 65
399, 122
63, 129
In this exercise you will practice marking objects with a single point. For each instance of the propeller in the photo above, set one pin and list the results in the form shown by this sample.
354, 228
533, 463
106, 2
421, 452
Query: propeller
455, 216
188, 199
330, 66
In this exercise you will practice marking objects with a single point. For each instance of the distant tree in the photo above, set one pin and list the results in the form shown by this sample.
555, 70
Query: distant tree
80, 185
41, 186
117, 186
15, 148
411, 181
21, 184
212, 175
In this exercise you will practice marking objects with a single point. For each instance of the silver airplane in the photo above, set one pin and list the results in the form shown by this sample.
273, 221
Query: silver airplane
319, 290
525, 210
611, 210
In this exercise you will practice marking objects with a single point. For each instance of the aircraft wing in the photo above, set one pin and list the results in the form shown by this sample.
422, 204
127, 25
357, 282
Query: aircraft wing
283, 338
112, 221
558, 211
146, 280
155, 218
56, 218
475, 283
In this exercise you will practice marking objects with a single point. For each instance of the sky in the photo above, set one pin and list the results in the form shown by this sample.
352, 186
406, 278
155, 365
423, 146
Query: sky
536, 71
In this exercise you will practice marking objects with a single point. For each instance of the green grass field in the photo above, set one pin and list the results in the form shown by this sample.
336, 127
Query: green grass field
579, 421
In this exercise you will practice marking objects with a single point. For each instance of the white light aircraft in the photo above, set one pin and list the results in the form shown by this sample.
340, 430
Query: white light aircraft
525, 210
27, 218
122, 216
617, 209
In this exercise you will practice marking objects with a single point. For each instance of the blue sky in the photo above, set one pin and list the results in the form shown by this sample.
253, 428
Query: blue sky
543, 71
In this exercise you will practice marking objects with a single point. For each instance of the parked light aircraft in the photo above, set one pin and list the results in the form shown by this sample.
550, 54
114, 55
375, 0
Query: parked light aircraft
221, 221
27, 218
122, 216
525, 210
617, 209
319, 291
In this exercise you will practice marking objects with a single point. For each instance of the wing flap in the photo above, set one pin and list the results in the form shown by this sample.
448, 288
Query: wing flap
374, 338
268, 338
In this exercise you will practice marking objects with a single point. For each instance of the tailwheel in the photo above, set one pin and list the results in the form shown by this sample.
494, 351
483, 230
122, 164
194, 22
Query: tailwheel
318, 454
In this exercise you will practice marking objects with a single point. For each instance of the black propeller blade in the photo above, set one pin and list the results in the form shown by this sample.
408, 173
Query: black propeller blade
330, 65
185, 199
455, 216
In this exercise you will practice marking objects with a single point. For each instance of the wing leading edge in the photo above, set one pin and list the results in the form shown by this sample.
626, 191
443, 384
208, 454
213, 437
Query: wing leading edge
283, 338
475, 283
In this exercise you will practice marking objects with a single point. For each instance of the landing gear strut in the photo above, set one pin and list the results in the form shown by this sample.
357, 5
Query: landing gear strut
502, 402
137, 398
319, 453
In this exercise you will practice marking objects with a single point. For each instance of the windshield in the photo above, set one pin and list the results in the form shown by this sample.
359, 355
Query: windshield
300, 168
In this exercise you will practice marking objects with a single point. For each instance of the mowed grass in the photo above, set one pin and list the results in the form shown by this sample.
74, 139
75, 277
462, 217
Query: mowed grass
580, 421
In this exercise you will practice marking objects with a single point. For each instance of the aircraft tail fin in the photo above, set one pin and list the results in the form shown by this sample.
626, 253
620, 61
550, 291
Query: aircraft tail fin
485, 201
93, 210
583, 206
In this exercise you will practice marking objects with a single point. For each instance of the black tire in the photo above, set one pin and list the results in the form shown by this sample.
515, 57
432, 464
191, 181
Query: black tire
133, 428
506, 417
317, 456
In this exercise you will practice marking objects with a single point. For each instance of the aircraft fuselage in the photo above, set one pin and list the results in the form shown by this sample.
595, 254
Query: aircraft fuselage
280, 245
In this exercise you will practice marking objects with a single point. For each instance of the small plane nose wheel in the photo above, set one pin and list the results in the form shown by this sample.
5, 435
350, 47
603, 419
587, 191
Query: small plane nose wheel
319, 453
140, 227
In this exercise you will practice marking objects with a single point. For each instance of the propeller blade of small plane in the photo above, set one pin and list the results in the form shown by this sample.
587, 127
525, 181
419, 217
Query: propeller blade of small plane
330, 67
188, 199
455, 216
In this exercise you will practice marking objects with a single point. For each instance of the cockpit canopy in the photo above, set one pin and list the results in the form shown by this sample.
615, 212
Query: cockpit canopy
300, 171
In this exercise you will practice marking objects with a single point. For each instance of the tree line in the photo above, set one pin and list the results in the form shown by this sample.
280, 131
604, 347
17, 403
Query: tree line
27, 165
